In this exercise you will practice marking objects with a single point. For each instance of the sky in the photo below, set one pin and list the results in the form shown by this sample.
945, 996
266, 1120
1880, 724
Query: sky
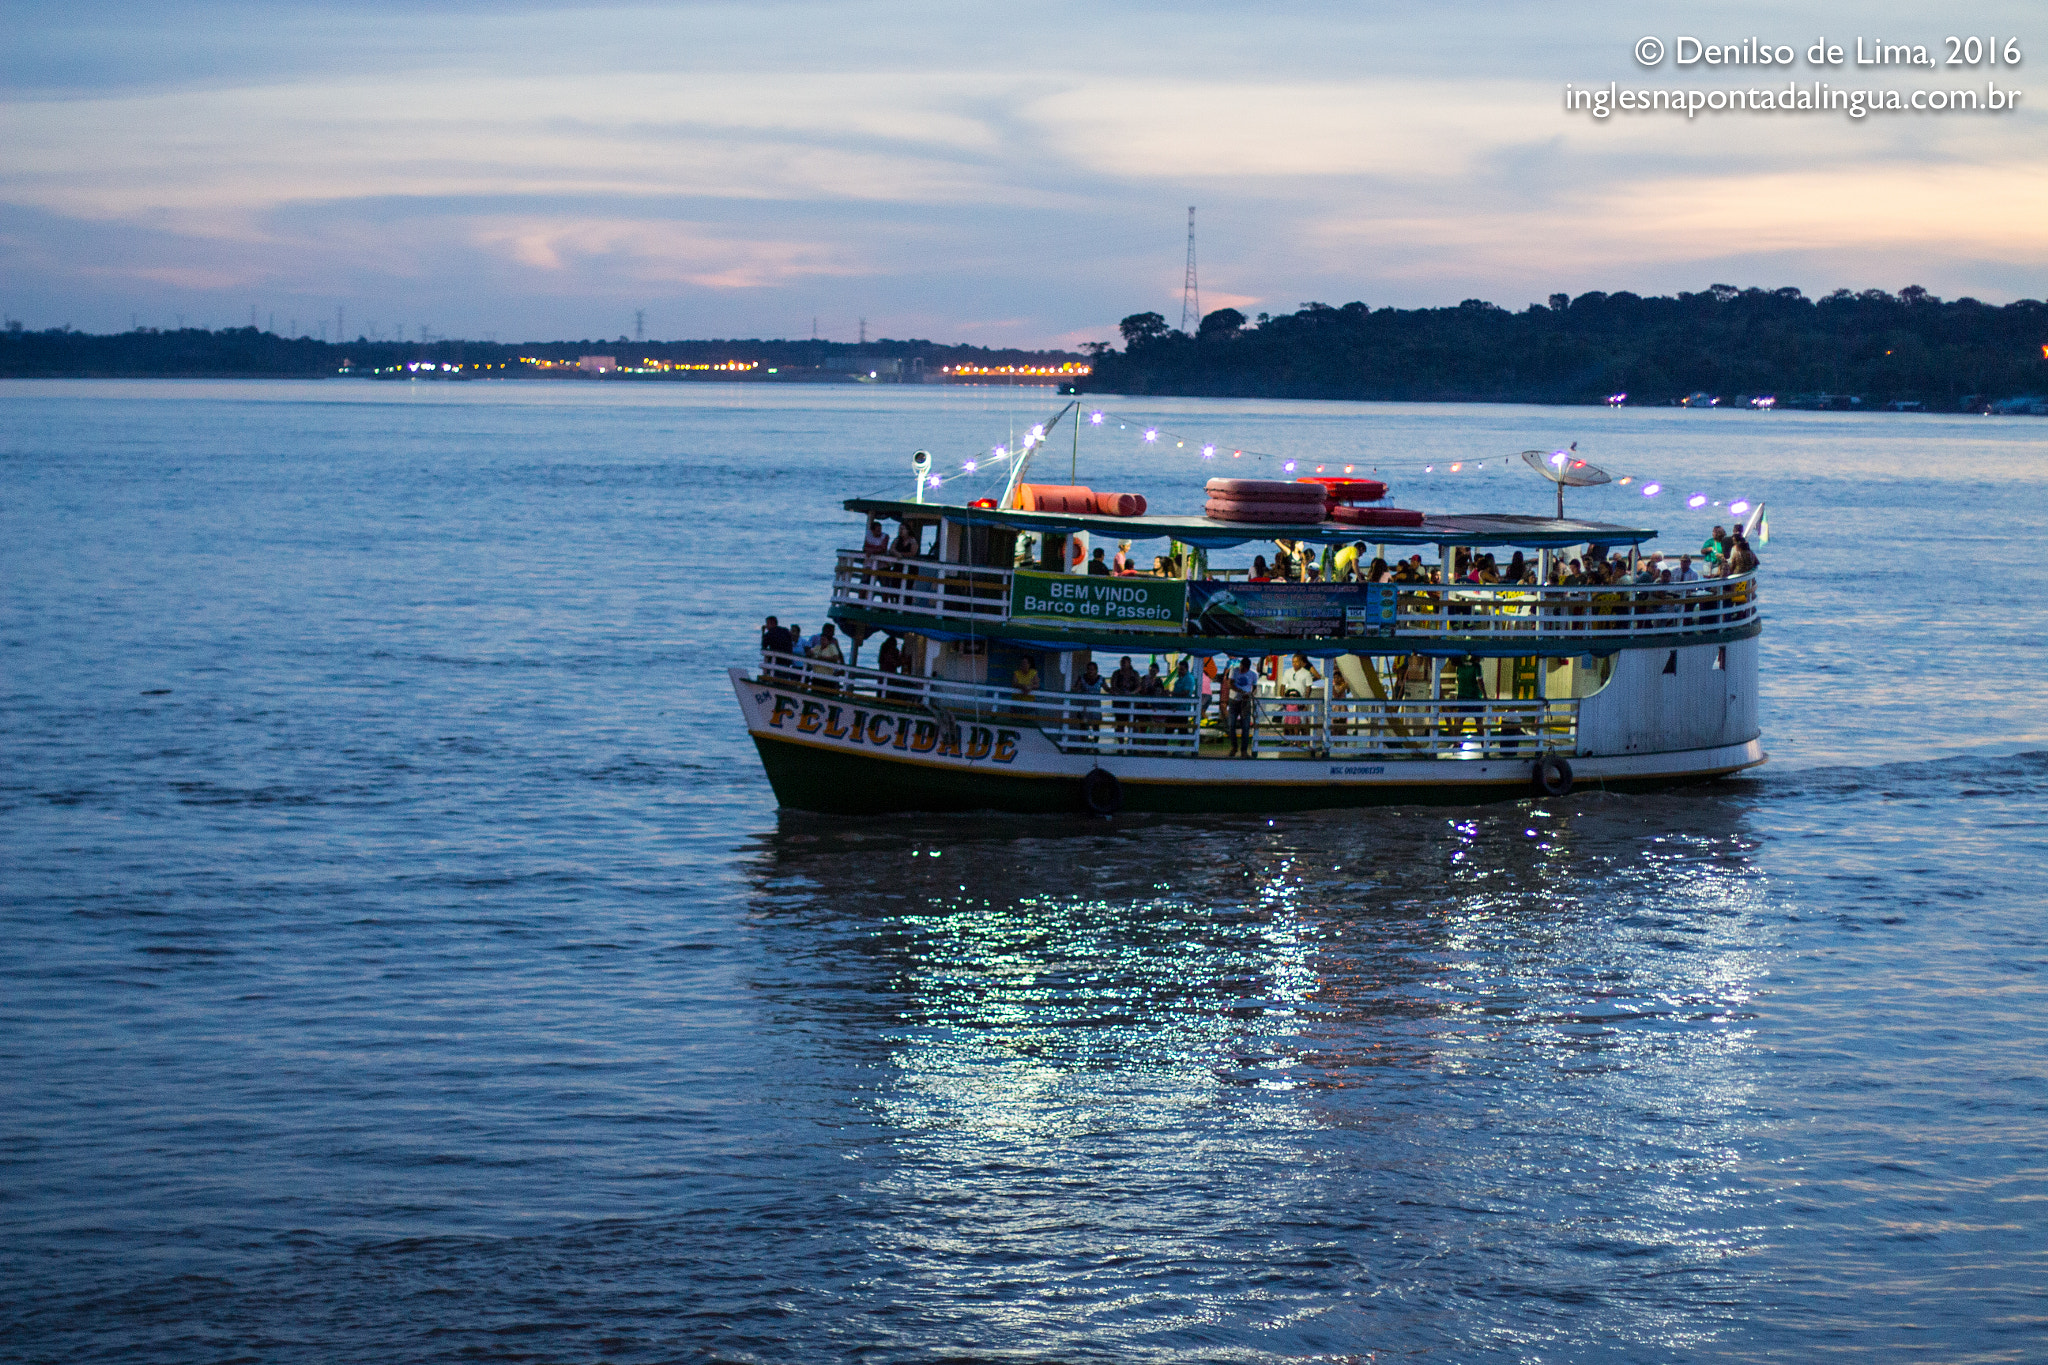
996, 175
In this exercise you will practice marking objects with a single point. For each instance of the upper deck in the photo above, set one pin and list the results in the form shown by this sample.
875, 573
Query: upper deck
962, 591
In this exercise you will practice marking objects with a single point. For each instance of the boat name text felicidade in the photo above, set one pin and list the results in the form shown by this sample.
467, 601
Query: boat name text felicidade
888, 730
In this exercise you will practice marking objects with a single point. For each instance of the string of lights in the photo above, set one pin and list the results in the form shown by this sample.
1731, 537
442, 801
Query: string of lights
1155, 435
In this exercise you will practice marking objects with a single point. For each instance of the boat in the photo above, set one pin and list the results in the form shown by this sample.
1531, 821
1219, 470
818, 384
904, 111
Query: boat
1441, 689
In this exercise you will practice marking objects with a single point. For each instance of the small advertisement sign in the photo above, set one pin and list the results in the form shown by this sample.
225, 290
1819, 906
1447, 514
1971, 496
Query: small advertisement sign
1279, 609
1099, 602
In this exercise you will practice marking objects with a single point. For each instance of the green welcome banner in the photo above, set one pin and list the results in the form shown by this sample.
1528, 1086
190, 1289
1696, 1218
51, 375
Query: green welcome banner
1103, 603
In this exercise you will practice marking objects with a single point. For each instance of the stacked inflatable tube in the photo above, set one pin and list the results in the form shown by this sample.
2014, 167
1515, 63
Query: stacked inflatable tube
1336, 490
1376, 516
1265, 501
1055, 497
1073, 497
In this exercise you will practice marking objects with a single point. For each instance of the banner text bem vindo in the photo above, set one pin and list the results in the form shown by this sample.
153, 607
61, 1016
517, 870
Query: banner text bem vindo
1758, 56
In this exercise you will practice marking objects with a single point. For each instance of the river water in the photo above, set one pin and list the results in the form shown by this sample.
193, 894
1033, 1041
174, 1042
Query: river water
405, 959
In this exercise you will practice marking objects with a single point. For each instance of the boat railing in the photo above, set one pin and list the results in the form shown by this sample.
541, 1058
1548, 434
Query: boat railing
1479, 612
1174, 727
1551, 612
1075, 722
1344, 727
919, 587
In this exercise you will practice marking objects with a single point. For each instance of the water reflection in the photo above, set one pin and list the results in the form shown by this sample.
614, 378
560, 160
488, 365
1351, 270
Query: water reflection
1240, 1085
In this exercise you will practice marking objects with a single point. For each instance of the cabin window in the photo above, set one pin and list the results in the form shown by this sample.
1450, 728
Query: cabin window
991, 547
1721, 657
1671, 663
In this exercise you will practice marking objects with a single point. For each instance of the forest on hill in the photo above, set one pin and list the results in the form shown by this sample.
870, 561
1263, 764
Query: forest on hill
1909, 347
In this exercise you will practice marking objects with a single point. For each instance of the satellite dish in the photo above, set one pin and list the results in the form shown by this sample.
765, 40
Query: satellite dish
1566, 469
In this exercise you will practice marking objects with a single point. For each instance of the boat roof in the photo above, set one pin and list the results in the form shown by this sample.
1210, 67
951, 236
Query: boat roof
1460, 529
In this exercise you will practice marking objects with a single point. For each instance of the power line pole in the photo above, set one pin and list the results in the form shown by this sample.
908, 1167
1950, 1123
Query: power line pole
1190, 292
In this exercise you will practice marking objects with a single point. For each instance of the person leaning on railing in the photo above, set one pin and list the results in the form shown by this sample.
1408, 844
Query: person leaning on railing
1151, 697
1123, 688
1184, 692
1238, 701
1086, 715
1025, 679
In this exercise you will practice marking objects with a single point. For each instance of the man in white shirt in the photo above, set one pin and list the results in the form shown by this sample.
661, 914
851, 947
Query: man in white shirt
1300, 678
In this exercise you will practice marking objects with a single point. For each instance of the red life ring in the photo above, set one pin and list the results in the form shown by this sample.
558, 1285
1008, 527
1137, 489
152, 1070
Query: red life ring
1269, 513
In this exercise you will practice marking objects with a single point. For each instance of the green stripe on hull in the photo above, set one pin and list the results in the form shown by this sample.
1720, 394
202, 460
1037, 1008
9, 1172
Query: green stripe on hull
832, 782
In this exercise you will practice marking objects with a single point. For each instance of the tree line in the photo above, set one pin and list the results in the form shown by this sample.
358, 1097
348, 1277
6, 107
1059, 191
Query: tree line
1723, 341
247, 352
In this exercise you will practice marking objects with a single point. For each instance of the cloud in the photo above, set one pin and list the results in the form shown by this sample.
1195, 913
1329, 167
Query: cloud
749, 166
655, 253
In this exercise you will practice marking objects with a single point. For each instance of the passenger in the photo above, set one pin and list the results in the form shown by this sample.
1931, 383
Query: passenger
1260, 573
1741, 558
1345, 569
1300, 677
889, 659
1283, 563
1182, 688
1025, 678
877, 541
1518, 568
1162, 567
1686, 572
1714, 549
1298, 685
1097, 566
825, 650
1122, 563
905, 546
1471, 696
774, 638
1414, 683
1151, 691
1087, 715
798, 645
1239, 702
1123, 687
1312, 574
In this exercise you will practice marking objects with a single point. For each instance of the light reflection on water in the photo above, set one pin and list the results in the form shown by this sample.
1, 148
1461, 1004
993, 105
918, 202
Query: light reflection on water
1301, 1083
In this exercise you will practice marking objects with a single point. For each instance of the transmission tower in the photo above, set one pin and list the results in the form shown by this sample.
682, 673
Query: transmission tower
1190, 292
639, 324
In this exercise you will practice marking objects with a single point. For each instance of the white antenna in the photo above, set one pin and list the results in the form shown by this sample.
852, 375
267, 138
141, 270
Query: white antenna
1190, 292
1021, 460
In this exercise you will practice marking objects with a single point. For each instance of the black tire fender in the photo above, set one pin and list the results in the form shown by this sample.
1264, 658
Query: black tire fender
1101, 793
1552, 776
